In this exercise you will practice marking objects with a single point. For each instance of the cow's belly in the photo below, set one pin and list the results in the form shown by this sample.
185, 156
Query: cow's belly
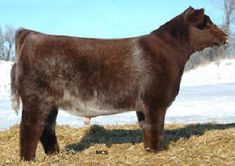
89, 108
92, 111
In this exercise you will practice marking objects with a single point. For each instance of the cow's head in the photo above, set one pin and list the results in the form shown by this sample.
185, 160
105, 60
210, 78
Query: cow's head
202, 32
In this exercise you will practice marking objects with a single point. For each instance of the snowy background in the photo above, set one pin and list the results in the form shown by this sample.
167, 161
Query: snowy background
207, 94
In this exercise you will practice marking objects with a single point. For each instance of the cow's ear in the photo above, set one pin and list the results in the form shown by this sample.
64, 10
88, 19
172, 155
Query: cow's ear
195, 17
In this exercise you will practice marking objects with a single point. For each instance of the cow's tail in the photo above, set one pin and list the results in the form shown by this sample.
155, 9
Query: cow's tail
15, 98
16, 71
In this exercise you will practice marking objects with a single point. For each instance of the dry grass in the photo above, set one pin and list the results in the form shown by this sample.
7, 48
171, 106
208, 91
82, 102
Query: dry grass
200, 144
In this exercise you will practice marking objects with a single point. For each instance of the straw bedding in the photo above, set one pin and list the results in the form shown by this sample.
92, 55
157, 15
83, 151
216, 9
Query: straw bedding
196, 144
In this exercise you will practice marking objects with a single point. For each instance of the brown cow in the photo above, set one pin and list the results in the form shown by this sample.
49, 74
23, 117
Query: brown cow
92, 77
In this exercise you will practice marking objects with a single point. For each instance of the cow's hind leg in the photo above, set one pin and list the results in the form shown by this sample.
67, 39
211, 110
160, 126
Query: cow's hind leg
31, 127
30, 131
153, 128
36, 114
48, 137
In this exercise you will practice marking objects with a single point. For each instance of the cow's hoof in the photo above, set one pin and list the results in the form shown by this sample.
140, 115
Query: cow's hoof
53, 151
27, 158
154, 150
148, 149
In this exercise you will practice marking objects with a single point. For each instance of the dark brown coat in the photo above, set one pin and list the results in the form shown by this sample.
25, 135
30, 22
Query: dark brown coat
92, 77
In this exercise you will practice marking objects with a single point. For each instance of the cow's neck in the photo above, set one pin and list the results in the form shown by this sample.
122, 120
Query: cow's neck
175, 35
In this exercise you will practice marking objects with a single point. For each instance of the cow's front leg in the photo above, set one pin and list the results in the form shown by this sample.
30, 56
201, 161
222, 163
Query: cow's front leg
48, 137
153, 128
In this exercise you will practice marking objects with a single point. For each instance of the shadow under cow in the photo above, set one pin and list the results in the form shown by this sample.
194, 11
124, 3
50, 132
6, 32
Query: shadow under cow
100, 135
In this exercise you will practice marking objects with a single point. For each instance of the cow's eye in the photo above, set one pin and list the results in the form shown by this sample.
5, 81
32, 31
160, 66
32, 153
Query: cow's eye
205, 24
202, 25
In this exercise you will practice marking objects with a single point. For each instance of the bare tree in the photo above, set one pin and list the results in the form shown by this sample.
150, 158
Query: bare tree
7, 40
229, 8
2, 52
229, 13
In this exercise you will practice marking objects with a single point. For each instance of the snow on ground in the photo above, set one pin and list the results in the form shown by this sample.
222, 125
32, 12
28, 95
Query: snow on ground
5, 68
214, 73
207, 94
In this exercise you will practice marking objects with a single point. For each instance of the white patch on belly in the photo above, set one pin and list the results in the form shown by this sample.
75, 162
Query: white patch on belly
90, 108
